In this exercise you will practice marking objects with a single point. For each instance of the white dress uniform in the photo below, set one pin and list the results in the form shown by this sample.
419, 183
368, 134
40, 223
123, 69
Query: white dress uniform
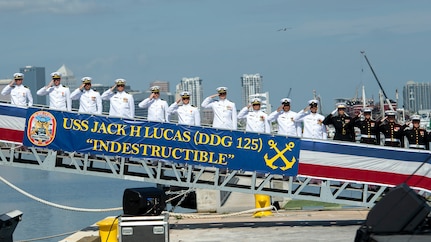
59, 96
286, 121
157, 108
313, 125
89, 101
187, 114
20, 95
121, 104
225, 114
257, 121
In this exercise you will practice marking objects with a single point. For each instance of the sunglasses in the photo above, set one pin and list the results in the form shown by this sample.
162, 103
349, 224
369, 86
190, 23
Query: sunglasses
121, 85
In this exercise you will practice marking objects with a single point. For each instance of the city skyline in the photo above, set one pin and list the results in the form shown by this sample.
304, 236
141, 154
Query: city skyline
415, 95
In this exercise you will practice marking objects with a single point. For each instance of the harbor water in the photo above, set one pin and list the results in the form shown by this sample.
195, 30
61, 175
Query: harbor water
40, 220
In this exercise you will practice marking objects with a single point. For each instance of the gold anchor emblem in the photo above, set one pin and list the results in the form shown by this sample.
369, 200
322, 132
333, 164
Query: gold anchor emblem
280, 154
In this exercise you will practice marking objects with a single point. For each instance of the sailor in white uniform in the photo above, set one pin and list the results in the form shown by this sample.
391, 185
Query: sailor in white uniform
157, 107
257, 120
20, 95
286, 119
313, 122
59, 95
187, 114
225, 114
121, 103
89, 99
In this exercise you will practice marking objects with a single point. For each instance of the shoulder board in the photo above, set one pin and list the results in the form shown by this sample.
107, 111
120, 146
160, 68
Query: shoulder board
193, 106
26, 87
64, 85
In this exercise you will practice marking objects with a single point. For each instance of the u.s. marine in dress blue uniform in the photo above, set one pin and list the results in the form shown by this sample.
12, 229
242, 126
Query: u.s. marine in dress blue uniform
368, 127
418, 137
391, 130
344, 129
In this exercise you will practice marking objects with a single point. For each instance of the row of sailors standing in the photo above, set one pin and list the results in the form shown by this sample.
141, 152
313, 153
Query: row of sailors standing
307, 123
393, 133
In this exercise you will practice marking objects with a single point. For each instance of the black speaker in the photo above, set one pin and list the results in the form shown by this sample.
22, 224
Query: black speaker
400, 211
144, 201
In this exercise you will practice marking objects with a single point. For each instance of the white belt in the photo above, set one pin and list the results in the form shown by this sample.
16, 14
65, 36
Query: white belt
392, 140
417, 146
368, 136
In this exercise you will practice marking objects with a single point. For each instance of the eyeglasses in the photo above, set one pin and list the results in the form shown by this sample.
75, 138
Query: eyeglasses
222, 93
18, 79
56, 79
121, 85
186, 98
156, 92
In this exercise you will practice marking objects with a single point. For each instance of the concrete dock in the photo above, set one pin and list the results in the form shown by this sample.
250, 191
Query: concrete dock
292, 225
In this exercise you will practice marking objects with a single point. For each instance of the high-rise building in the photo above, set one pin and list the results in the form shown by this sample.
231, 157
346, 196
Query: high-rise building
34, 78
68, 78
164, 85
416, 96
251, 84
264, 97
192, 85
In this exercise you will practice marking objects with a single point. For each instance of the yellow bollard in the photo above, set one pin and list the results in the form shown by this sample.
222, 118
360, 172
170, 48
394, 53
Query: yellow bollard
262, 201
108, 229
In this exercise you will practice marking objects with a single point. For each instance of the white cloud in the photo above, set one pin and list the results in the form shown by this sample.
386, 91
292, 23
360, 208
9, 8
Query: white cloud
51, 6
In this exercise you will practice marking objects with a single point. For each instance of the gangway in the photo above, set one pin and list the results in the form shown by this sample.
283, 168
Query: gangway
192, 177
343, 173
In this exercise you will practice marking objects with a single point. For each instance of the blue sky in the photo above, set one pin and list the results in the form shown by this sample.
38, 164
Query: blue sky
219, 40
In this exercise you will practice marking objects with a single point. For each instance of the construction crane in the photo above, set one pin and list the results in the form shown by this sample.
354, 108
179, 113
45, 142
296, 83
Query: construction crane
378, 82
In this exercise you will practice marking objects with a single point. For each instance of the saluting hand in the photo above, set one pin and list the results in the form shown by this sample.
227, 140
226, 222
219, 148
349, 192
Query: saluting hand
179, 100
280, 108
214, 95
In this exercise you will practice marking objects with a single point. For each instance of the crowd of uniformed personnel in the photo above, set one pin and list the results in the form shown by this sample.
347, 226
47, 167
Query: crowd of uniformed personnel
306, 123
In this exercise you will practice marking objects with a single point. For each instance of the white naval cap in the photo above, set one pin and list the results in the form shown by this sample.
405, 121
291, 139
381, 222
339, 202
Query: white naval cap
18, 76
415, 118
86, 80
56, 75
256, 101
285, 101
120, 81
221, 89
155, 89
367, 110
341, 105
313, 102
390, 113
185, 94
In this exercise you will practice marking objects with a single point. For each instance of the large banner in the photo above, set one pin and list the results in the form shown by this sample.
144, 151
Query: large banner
165, 141
372, 164
12, 123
